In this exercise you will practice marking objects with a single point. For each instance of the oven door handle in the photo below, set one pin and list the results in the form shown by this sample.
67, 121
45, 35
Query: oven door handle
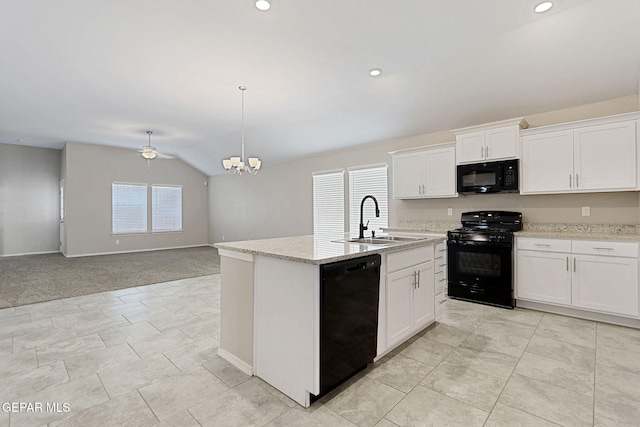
479, 244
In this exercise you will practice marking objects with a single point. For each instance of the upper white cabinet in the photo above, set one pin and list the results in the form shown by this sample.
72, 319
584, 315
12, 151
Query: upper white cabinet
489, 142
425, 173
593, 155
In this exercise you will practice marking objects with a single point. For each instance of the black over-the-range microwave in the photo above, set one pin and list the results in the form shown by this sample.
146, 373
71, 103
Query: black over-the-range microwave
488, 177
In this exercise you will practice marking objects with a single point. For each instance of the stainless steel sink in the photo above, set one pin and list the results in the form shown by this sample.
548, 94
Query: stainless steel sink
380, 240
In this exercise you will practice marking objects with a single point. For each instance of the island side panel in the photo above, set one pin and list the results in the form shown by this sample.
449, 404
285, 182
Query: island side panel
236, 309
286, 326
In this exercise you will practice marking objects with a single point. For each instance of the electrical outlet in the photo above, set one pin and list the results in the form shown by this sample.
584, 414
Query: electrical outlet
586, 211
117, 242
449, 211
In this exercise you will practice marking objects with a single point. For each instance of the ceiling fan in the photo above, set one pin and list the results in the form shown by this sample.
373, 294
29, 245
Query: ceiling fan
150, 152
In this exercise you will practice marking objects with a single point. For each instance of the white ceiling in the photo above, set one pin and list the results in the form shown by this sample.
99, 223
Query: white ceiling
104, 72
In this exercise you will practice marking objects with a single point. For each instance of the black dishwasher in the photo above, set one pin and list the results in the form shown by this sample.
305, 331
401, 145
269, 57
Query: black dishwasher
349, 296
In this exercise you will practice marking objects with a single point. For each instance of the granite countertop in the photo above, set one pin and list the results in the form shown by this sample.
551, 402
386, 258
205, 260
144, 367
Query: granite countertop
614, 232
313, 250
577, 235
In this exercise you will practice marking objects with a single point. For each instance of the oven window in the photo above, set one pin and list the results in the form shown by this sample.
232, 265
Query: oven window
473, 179
479, 264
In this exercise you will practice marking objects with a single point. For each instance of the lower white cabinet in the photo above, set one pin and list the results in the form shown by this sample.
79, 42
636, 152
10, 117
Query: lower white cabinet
409, 293
591, 275
440, 278
606, 283
544, 276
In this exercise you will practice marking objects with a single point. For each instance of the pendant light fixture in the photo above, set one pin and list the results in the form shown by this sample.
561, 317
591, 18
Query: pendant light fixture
236, 164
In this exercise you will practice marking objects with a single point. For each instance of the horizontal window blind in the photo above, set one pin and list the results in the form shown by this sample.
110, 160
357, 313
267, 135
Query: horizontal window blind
128, 208
166, 208
363, 182
328, 205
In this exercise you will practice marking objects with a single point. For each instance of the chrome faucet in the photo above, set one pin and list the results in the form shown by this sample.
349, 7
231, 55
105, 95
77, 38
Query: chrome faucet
362, 226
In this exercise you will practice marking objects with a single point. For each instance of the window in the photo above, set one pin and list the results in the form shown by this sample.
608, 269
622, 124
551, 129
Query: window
166, 208
328, 204
128, 208
364, 181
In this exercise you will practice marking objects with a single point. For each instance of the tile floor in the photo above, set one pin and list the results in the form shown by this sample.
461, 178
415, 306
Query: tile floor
147, 356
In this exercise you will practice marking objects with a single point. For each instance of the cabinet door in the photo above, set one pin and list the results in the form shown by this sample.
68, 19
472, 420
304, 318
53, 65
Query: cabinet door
608, 284
407, 175
605, 157
399, 298
423, 294
501, 143
547, 163
544, 276
440, 173
470, 147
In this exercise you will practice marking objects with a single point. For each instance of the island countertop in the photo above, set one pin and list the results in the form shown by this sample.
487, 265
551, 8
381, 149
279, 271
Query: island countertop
315, 250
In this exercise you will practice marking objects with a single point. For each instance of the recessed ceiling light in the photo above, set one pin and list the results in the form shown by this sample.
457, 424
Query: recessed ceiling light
375, 72
263, 5
543, 7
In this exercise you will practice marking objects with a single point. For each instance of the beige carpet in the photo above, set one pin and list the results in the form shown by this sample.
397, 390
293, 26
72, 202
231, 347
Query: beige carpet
36, 278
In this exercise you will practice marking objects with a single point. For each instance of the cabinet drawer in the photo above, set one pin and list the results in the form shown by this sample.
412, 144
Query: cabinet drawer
440, 265
441, 250
440, 302
596, 247
403, 259
441, 282
547, 245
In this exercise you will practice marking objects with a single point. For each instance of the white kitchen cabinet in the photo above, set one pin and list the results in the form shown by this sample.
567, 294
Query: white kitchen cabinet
605, 157
579, 157
547, 163
489, 142
606, 283
544, 276
424, 174
440, 278
591, 275
409, 293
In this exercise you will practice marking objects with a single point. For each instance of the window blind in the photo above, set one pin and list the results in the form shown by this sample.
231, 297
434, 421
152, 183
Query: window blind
328, 205
363, 182
128, 208
166, 208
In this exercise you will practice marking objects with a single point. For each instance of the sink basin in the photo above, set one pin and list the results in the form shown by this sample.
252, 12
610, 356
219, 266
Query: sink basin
381, 240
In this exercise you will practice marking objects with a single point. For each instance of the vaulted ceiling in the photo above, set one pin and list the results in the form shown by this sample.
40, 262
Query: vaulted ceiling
104, 72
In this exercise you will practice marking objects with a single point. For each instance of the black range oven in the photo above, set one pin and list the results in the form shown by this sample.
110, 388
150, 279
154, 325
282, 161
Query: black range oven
480, 257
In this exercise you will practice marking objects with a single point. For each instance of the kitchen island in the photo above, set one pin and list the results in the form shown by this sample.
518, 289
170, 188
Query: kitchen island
270, 302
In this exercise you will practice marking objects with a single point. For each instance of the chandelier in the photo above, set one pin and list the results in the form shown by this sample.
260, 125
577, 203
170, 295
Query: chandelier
237, 164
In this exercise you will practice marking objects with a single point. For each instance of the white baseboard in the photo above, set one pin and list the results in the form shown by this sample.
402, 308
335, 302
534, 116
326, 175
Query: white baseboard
240, 364
582, 314
137, 250
30, 253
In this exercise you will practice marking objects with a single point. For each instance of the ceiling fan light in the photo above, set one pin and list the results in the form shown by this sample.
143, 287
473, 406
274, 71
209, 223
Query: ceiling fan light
253, 161
235, 161
148, 154
227, 164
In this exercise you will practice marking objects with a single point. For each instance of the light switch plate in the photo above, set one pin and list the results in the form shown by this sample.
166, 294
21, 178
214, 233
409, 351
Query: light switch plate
586, 211
449, 211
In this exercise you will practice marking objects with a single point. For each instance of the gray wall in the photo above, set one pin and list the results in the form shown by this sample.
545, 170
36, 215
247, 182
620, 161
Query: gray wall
278, 201
89, 172
29, 200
